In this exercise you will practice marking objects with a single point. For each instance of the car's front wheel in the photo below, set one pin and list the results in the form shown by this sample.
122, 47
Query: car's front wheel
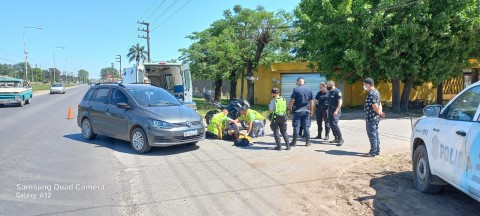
28, 101
422, 177
139, 141
87, 130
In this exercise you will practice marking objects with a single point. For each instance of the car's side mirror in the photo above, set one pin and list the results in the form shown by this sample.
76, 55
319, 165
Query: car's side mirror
123, 106
432, 111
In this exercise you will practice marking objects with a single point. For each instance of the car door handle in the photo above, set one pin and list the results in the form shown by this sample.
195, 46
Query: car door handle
461, 133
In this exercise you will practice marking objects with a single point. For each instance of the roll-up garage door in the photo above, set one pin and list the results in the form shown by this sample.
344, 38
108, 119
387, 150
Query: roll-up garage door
289, 82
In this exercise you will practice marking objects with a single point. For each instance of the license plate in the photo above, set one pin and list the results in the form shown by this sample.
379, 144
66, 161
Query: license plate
190, 133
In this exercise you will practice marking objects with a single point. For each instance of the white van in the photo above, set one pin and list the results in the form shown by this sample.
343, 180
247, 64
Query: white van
173, 77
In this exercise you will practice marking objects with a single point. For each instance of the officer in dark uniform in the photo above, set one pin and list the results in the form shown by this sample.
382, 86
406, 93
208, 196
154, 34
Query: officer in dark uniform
334, 111
302, 99
321, 111
278, 118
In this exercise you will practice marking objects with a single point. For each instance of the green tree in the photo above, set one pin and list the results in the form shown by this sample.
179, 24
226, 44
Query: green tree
6, 70
137, 53
408, 41
83, 75
104, 72
213, 56
38, 75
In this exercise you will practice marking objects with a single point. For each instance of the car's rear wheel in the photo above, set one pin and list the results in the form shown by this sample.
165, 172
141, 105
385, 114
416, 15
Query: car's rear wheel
139, 141
87, 130
422, 177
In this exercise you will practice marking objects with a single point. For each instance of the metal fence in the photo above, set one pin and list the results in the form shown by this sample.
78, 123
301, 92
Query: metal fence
200, 86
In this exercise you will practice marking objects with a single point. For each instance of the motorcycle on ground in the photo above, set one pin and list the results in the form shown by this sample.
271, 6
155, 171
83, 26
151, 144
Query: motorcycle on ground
233, 108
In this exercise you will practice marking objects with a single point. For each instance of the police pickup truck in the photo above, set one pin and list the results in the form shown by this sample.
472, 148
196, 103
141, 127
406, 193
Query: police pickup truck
445, 145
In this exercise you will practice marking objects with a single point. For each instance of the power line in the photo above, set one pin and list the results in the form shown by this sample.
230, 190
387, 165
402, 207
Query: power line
148, 9
7, 60
156, 9
172, 15
165, 11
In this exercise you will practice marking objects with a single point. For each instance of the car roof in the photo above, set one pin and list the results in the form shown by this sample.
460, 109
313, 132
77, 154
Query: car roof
6, 78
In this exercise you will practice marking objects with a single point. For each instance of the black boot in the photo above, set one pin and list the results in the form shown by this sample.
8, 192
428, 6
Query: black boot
319, 135
288, 146
294, 142
340, 140
335, 140
327, 137
279, 147
307, 142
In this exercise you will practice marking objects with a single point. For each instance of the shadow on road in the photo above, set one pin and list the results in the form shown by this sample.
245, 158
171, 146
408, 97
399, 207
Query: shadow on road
125, 147
340, 153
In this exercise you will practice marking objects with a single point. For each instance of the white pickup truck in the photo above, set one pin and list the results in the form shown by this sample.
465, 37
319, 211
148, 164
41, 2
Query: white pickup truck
445, 145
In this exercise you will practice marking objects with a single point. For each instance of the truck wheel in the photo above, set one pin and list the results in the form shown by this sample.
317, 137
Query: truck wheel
209, 115
28, 101
87, 130
139, 141
422, 177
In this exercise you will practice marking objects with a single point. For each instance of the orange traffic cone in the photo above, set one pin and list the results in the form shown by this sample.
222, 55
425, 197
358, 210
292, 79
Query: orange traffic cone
70, 113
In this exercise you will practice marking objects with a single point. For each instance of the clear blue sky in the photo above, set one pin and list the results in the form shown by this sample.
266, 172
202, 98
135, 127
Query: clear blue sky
94, 31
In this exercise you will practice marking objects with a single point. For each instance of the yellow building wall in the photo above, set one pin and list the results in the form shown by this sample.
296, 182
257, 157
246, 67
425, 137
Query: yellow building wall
354, 95
266, 76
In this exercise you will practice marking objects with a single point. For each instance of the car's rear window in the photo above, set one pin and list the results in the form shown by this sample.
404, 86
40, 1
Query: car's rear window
88, 96
57, 85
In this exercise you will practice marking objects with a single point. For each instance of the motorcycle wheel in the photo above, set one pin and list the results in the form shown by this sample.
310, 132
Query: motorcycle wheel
209, 115
244, 125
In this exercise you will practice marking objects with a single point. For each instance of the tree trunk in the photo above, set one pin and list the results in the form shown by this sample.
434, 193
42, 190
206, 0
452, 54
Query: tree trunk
218, 90
233, 84
233, 88
440, 93
395, 95
242, 85
250, 84
407, 88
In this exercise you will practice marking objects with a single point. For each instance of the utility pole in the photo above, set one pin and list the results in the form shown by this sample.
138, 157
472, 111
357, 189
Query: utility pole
112, 73
148, 36
119, 60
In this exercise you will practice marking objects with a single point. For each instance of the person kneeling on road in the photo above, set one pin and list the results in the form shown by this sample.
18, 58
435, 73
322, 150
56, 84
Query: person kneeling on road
218, 124
278, 118
255, 121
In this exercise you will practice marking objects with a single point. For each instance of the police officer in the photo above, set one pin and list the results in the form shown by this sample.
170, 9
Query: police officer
278, 118
334, 111
321, 99
302, 99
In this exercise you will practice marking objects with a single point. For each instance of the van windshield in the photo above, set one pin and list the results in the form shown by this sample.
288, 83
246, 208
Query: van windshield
152, 96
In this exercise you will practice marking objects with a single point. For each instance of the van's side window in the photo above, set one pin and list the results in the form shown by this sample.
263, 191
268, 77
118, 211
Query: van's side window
89, 94
102, 95
169, 82
118, 97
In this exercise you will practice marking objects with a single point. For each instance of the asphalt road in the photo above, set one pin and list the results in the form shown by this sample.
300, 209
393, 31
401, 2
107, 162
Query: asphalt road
43, 153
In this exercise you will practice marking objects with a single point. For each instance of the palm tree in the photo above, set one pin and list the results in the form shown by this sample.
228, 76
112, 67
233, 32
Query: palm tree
137, 53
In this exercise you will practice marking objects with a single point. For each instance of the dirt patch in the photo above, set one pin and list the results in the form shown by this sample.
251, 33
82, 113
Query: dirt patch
384, 186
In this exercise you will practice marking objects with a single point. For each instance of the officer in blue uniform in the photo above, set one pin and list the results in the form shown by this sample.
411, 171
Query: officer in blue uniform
334, 111
302, 99
321, 112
